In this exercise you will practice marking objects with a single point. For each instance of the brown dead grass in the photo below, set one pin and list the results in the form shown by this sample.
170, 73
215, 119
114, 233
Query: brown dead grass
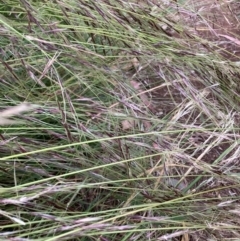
216, 25
214, 20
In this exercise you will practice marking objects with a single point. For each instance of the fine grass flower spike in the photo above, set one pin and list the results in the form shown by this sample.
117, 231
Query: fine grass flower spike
13, 111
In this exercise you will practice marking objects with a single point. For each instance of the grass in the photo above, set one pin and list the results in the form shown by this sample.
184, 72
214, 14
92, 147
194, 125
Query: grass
133, 128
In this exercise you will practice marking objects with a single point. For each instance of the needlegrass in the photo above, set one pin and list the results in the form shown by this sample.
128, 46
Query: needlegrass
134, 134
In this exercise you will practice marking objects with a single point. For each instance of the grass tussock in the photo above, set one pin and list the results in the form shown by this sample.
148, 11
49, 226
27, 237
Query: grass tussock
132, 132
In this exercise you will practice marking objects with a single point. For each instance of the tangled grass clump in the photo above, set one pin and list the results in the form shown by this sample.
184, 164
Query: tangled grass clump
135, 128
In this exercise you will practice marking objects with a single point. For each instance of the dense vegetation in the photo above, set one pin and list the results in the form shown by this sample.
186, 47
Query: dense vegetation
131, 131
